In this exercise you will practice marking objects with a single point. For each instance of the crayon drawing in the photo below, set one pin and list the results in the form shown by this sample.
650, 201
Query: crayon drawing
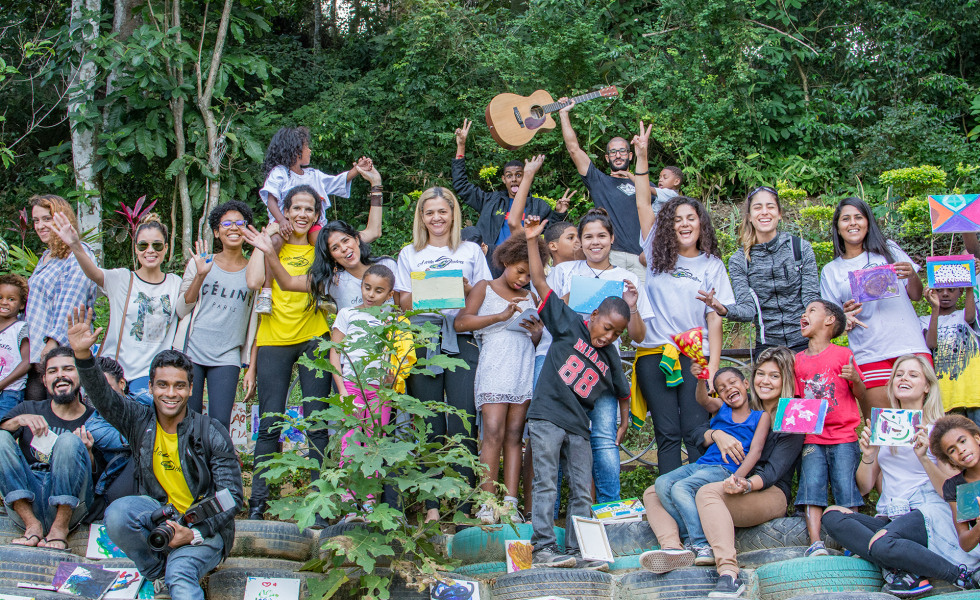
951, 271
518, 554
800, 415
894, 426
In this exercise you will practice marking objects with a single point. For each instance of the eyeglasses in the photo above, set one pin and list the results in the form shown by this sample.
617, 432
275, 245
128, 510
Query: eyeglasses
763, 188
227, 224
142, 246
618, 151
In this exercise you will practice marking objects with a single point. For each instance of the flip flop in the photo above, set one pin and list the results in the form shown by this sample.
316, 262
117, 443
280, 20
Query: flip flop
46, 541
27, 538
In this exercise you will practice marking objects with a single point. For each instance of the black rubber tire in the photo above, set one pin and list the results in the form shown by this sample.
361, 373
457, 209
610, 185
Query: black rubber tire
778, 533
634, 537
474, 545
271, 539
13, 590
692, 582
229, 584
483, 571
78, 540
239, 562
756, 558
31, 565
817, 574
574, 584
964, 595
852, 596
8, 531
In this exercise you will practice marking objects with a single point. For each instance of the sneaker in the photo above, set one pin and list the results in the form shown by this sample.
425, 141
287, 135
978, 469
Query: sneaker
515, 513
816, 549
968, 580
486, 514
263, 303
551, 556
665, 561
591, 565
705, 557
728, 587
353, 517
904, 584
160, 590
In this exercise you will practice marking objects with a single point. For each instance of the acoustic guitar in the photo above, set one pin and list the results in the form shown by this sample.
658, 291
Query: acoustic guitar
513, 120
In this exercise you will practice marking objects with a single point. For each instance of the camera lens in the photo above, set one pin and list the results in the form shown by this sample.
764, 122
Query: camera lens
160, 537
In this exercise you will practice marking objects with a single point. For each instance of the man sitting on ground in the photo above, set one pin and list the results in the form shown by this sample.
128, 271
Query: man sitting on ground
182, 457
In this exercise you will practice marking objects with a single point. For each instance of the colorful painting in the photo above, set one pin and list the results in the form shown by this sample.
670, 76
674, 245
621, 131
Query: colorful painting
957, 271
436, 290
518, 553
894, 426
449, 589
100, 546
587, 293
876, 283
627, 510
958, 213
88, 581
691, 345
126, 586
291, 434
968, 502
800, 415
264, 588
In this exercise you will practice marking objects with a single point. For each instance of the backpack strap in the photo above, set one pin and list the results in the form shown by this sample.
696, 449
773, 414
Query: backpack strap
797, 245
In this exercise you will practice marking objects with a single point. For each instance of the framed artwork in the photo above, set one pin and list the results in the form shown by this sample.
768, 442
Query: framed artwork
876, 283
954, 271
800, 415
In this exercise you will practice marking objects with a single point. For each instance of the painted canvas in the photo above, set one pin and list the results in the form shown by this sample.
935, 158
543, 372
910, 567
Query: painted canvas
265, 588
876, 283
239, 424
626, 509
951, 271
800, 415
436, 290
88, 581
518, 553
450, 589
967, 502
290, 434
958, 213
894, 426
126, 585
100, 546
587, 293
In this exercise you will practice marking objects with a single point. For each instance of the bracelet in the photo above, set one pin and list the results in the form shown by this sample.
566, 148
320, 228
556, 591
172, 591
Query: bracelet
458, 155
867, 463
633, 311
376, 200
377, 188
711, 436
647, 172
748, 481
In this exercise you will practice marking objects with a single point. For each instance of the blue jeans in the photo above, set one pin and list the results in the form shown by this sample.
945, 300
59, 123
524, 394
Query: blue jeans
605, 452
10, 399
833, 463
677, 491
139, 388
67, 480
128, 523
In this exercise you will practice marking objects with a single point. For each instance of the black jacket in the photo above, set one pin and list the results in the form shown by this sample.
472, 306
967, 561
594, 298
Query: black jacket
492, 206
207, 455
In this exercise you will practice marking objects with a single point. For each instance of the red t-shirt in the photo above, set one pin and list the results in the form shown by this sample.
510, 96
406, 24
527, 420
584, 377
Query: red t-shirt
819, 377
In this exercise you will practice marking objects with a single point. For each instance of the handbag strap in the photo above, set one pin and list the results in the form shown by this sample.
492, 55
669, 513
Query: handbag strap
129, 293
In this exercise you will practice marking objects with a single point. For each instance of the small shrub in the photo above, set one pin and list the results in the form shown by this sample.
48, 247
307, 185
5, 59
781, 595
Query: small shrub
815, 220
824, 252
790, 197
915, 212
489, 175
634, 482
914, 181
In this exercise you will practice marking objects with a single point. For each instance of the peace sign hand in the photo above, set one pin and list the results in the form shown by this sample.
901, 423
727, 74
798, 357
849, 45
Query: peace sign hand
461, 134
561, 206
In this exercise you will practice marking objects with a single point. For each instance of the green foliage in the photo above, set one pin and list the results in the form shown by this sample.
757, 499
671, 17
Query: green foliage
401, 456
911, 182
790, 197
635, 481
824, 252
22, 261
916, 221
815, 221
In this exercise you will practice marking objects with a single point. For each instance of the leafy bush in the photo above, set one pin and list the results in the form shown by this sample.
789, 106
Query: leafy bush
824, 252
915, 212
635, 481
911, 182
815, 221
789, 197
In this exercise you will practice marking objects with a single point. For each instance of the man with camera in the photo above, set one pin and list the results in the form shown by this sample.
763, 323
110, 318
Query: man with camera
185, 464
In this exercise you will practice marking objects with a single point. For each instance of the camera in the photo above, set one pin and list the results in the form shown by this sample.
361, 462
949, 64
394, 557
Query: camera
162, 533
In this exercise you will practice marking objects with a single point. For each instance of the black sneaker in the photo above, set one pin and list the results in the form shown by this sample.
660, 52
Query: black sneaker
552, 556
904, 584
728, 587
592, 565
968, 580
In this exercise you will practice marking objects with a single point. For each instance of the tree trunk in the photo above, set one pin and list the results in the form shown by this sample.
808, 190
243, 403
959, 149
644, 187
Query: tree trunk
333, 19
317, 21
180, 142
85, 25
123, 25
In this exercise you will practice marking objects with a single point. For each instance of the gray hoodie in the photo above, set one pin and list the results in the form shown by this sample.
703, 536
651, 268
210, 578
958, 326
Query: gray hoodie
782, 285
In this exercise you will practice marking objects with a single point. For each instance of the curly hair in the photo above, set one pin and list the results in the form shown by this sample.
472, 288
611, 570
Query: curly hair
665, 250
514, 250
944, 425
214, 218
285, 147
324, 266
53, 204
12, 279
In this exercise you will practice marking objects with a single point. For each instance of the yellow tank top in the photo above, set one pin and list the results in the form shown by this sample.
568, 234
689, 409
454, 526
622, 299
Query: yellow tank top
292, 320
167, 470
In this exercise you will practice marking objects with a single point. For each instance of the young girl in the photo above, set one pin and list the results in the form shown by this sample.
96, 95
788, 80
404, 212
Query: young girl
684, 261
671, 498
956, 441
286, 165
142, 303
15, 348
887, 328
952, 335
504, 375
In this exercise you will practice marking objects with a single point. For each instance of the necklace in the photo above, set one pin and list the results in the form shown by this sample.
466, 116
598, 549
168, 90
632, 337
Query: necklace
600, 272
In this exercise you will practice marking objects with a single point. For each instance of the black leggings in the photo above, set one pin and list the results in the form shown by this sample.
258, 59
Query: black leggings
675, 411
904, 547
275, 367
222, 382
455, 388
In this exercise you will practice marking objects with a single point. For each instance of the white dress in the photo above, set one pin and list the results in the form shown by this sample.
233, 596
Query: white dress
505, 372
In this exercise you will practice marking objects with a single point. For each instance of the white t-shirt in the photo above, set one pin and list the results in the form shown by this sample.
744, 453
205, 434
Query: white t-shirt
467, 258
281, 179
348, 322
150, 319
346, 289
893, 327
674, 296
10, 340
902, 474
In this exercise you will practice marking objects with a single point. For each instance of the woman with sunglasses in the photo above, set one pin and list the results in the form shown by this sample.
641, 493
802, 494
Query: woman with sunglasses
219, 336
142, 316
774, 275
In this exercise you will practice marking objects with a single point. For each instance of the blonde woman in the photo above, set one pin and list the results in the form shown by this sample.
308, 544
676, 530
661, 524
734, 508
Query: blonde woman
437, 246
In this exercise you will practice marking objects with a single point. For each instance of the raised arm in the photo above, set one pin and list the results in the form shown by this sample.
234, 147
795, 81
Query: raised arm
265, 256
579, 157
515, 219
467, 191
64, 230
644, 207
532, 229
372, 230
197, 269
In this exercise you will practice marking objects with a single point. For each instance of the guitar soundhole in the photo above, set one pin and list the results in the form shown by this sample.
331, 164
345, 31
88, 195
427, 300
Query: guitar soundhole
536, 111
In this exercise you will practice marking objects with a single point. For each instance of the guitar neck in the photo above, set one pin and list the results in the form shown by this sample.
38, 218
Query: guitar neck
554, 106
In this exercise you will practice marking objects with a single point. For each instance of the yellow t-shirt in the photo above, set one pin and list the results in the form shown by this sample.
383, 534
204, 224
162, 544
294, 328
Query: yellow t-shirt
292, 320
167, 470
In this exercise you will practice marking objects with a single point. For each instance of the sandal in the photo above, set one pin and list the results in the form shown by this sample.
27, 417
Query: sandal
27, 539
47, 541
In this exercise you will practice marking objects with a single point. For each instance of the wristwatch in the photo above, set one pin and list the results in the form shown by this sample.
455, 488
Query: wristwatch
198, 538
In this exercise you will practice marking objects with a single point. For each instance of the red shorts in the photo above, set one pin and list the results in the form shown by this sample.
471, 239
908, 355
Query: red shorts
876, 374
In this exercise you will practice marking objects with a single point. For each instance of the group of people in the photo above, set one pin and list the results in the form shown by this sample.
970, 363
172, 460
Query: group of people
130, 409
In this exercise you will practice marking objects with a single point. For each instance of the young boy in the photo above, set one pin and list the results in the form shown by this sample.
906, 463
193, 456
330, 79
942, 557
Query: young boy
827, 371
581, 366
952, 335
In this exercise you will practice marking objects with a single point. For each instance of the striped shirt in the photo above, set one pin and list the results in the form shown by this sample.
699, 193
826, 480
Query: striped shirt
56, 287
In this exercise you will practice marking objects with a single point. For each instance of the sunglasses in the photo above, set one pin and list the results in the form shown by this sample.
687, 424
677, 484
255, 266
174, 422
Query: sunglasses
227, 224
763, 188
142, 246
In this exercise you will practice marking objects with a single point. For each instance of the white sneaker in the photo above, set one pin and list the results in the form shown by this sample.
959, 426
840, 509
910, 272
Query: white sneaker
263, 303
486, 514
665, 561
160, 590
515, 514
705, 557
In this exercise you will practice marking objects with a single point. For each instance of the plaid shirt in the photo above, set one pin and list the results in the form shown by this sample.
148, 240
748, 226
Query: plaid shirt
56, 287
